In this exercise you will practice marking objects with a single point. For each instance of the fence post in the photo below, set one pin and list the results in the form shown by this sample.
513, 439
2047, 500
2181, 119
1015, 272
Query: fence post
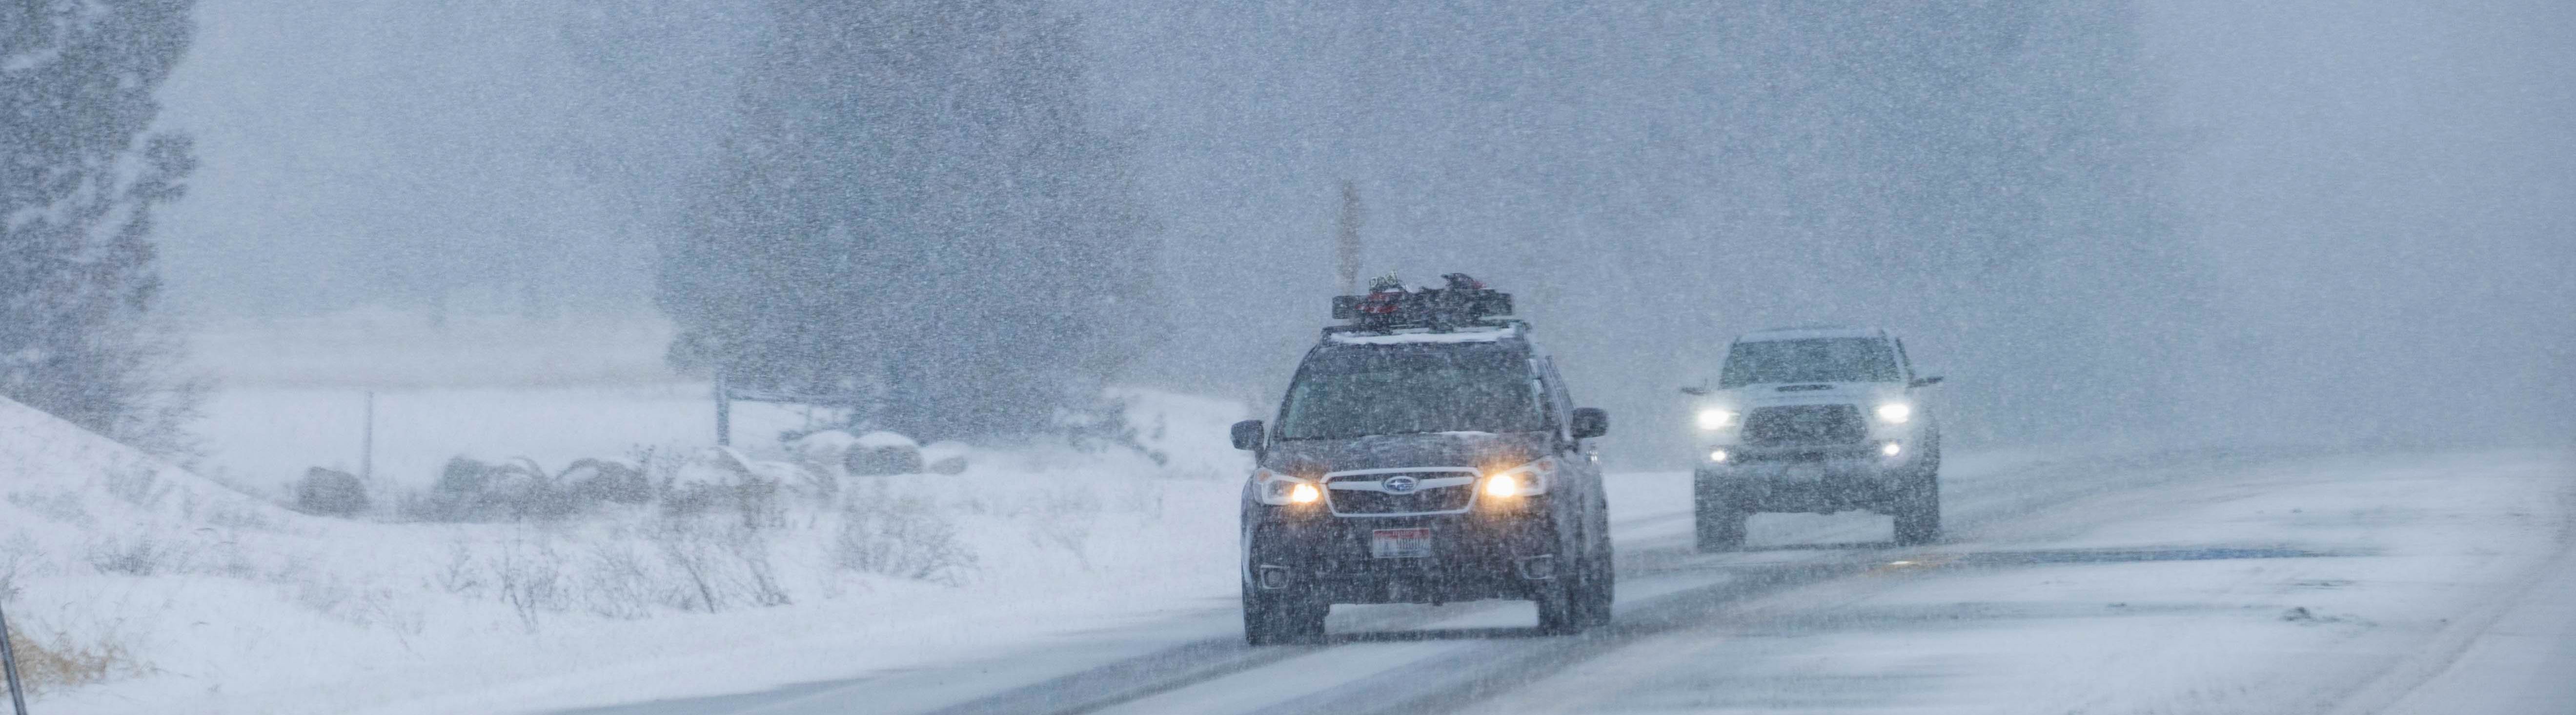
724, 409
9, 662
367, 444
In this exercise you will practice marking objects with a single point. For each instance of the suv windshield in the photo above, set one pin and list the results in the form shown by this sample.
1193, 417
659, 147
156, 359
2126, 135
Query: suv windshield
1411, 391
1815, 360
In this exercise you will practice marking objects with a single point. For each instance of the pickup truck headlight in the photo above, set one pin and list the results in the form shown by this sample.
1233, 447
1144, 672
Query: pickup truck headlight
1277, 489
1895, 413
1527, 480
1715, 418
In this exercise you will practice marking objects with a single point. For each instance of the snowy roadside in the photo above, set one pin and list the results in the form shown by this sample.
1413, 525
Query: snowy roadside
217, 603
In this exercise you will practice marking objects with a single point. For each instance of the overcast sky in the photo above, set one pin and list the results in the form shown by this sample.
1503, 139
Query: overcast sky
2382, 195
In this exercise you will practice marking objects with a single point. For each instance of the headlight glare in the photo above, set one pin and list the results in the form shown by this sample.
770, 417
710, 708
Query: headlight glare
1522, 481
1895, 412
1277, 489
1715, 418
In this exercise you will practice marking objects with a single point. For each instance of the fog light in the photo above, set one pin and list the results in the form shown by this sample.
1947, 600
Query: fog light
1891, 449
1274, 578
1538, 568
1717, 455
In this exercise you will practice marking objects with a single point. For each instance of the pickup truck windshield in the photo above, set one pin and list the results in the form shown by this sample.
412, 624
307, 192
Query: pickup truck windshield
1412, 391
1816, 360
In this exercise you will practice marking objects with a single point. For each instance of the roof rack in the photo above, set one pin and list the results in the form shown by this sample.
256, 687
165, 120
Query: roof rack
1390, 307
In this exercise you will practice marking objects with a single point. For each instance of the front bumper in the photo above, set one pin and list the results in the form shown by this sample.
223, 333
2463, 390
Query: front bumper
1481, 554
1806, 478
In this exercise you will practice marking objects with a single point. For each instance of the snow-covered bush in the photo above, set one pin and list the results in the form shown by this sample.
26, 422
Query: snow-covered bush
330, 492
882, 453
946, 457
471, 491
595, 481
722, 480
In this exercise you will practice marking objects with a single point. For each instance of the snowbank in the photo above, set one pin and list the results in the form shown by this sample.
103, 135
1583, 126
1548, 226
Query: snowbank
226, 604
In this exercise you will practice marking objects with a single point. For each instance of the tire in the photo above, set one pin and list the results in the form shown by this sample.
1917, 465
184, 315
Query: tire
1918, 510
1719, 520
1600, 588
1560, 603
1278, 619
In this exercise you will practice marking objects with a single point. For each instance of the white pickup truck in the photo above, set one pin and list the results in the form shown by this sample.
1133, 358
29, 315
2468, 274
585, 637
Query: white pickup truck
1816, 419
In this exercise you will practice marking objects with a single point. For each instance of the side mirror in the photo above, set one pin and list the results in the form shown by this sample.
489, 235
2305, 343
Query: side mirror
1590, 422
1695, 391
1247, 434
1925, 382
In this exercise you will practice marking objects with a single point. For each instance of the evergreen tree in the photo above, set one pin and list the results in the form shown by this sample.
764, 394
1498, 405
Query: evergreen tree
914, 206
80, 175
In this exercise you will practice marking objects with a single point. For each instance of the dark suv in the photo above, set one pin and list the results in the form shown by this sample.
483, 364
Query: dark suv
1426, 453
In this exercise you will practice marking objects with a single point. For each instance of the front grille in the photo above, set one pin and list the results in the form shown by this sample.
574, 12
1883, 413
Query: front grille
1449, 498
1804, 424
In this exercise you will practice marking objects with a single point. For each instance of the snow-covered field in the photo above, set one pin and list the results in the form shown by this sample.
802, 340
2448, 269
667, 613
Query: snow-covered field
227, 604
213, 601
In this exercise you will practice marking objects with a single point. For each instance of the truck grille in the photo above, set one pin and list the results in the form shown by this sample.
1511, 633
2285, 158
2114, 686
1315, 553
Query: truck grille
1433, 499
1804, 424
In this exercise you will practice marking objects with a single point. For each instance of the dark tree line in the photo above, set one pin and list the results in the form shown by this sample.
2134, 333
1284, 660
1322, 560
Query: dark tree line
80, 175
913, 207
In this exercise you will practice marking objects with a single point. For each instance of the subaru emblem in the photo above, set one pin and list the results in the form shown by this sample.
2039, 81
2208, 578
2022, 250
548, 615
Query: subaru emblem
1400, 485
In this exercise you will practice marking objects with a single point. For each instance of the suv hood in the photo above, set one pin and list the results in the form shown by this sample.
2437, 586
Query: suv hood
1474, 450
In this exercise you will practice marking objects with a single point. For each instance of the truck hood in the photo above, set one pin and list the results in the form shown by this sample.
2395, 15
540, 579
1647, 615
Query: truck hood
1813, 393
1474, 450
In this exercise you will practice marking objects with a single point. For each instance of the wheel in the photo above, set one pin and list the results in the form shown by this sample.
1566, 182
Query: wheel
1560, 603
1918, 509
1278, 618
1720, 521
1600, 588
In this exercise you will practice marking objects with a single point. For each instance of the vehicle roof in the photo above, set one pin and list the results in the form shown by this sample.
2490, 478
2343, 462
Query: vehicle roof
1811, 332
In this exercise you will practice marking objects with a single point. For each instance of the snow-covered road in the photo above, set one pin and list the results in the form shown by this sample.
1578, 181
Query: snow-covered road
2178, 582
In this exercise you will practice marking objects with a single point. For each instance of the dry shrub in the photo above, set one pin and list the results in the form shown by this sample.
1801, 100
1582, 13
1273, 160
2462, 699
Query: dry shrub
904, 536
62, 662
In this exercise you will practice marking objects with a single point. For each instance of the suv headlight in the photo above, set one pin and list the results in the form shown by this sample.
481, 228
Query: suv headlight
1895, 413
1527, 480
1277, 489
1715, 418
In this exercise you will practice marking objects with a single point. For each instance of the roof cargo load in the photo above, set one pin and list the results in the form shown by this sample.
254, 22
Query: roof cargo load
1389, 306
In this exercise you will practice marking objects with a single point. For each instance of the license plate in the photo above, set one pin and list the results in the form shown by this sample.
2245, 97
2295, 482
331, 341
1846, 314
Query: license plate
1400, 543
